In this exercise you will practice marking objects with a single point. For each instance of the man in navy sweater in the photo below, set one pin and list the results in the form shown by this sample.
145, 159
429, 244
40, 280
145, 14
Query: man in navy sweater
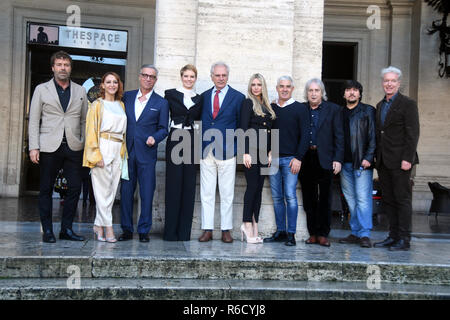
292, 123
324, 158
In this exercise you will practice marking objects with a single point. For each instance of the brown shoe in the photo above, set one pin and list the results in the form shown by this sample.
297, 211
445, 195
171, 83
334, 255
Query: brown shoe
311, 240
351, 239
206, 236
323, 241
226, 237
365, 242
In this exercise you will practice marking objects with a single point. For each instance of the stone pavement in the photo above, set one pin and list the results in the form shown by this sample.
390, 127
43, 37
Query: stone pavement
31, 269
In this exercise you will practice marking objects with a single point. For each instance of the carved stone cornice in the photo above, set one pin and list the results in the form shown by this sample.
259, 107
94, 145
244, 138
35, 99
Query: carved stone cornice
355, 8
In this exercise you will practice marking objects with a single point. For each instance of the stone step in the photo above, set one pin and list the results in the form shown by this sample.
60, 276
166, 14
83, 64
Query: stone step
222, 268
188, 289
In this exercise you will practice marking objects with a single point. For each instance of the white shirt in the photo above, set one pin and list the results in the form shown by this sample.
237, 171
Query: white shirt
290, 101
138, 105
222, 95
188, 103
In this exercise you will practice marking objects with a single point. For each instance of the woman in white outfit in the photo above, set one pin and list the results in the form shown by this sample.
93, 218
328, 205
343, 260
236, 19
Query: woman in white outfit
105, 151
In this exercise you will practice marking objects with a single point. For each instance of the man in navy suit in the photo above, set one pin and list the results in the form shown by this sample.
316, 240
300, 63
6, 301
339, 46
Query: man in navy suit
323, 159
221, 112
147, 121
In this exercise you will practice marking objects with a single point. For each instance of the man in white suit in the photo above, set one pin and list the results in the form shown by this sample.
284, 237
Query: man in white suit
56, 140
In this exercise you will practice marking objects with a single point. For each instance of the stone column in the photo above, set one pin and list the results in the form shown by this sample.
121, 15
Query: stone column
175, 40
308, 37
273, 38
400, 42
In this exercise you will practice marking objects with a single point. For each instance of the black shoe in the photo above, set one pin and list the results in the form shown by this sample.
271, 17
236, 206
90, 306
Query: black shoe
48, 237
385, 243
290, 240
68, 234
126, 235
143, 237
279, 236
400, 245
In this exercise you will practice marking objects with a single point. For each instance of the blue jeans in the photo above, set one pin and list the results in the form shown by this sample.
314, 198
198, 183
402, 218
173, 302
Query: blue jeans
283, 185
358, 194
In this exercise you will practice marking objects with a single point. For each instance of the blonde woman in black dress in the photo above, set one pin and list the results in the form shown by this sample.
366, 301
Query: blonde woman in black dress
256, 114
185, 108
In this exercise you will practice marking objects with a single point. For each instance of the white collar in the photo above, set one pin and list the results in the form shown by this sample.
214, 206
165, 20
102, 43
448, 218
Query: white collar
188, 93
147, 96
290, 101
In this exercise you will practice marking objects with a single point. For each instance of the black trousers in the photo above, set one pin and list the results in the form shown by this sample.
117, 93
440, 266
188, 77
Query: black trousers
50, 163
316, 191
253, 193
180, 193
396, 198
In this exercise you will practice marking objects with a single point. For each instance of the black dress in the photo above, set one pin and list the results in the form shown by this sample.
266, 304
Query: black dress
255, 181
181, 177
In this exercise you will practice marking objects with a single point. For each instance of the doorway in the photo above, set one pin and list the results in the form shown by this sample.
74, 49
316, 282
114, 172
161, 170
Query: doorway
339, 63
88, 67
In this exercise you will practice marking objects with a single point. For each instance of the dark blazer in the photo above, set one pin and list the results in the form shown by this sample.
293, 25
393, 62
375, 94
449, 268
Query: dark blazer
178, 111
227, 118
330, 135
250, 120
397, 139
362, 134
152, 122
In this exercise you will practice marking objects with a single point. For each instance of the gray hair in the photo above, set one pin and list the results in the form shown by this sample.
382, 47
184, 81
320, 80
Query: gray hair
392, 69
151, 66
320, 84
288, 78
220, 64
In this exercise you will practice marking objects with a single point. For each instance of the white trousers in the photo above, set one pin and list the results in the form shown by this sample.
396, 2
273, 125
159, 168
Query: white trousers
105, 181
210, 170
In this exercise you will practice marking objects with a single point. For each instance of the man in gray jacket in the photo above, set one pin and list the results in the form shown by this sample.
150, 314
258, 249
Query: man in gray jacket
56, 140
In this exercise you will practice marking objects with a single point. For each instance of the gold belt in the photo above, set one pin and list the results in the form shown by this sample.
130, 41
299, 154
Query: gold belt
110, 136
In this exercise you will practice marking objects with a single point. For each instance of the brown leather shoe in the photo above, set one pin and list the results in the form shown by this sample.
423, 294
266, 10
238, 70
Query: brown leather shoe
323, 241
365, 242
351, 239
206, 236
311, 240
226, 237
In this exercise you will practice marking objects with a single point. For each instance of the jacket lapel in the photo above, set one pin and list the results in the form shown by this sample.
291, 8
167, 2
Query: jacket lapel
52, 88
71, 95
392, 109
151, 102
226, 100
208, 105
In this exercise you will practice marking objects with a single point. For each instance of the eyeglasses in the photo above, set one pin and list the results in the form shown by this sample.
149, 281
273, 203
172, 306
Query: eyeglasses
148, 76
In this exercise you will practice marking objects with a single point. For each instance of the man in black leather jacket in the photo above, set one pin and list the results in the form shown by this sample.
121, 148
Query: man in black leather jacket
357, 172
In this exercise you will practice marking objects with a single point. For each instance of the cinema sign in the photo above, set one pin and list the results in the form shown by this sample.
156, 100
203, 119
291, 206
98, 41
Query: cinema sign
89, 38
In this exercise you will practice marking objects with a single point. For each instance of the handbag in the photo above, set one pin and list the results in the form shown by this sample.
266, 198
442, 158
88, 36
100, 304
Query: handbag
124, 167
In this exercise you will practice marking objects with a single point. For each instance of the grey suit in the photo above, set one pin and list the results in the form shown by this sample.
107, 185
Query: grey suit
47, 125
45, 106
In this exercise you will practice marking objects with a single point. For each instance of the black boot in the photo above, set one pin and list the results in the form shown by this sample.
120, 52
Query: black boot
400, 245
385, 243
290, 240
279, 236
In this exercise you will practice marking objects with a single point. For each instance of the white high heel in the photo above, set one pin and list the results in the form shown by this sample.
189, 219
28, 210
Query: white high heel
97, 235
247, 238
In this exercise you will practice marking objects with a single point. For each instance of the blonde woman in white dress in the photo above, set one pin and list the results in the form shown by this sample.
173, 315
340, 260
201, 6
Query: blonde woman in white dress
105, 151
